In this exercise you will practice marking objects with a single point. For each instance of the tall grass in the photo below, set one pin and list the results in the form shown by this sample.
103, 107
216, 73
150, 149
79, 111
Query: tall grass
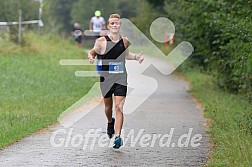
34, 87
231, 118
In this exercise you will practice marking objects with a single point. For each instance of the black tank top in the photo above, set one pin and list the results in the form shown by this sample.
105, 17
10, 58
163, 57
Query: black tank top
112, 64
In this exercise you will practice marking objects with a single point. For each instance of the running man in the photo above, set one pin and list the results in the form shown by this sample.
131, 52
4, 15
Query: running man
77, 33
111, 52
97, 23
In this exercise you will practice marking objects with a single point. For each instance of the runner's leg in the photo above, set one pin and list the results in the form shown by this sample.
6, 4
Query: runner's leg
119, 102
108, 108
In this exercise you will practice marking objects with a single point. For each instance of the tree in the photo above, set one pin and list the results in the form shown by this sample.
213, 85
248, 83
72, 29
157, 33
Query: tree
220, 32
59, 14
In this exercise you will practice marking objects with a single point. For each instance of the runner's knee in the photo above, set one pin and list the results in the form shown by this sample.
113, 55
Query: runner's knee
108, 108
119, 108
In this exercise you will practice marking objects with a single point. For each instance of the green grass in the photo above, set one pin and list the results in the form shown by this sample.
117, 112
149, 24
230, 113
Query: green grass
34, 87
231, 122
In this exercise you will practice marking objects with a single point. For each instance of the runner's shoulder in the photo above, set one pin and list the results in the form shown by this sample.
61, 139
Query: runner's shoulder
126, 41
101, 39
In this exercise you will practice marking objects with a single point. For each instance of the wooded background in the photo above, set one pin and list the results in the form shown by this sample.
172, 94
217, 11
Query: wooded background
220, 30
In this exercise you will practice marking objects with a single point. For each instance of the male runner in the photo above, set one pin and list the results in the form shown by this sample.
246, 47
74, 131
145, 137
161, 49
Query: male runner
97, 24
77, 33
111, 51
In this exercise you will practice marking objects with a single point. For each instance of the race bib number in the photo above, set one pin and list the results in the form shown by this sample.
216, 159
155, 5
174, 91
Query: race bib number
77, 33
98, 26
116, 67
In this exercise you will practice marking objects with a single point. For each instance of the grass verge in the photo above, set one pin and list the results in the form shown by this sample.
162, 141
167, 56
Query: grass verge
34, 87
231, 119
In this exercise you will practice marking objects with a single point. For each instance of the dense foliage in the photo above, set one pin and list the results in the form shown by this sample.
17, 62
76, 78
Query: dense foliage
63, 13
221, 34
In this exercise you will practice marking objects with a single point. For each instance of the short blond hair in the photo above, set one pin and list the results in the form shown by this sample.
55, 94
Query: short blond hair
114, 15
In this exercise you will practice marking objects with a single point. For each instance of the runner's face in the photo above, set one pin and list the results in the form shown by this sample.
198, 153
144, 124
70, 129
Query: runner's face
114, 25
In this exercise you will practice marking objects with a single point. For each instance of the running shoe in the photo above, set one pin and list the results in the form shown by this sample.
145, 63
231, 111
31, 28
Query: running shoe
111, 129
118, 142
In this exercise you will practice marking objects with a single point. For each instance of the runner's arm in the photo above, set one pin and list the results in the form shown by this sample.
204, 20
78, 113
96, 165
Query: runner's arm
129, 55
91, 24
93, 52
103, 25
91, 55
138, 57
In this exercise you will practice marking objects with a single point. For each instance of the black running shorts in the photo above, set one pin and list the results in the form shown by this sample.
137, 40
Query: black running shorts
116, 89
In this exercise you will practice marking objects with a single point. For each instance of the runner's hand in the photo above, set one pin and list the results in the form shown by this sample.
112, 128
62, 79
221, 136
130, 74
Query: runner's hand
140, 57
91, 60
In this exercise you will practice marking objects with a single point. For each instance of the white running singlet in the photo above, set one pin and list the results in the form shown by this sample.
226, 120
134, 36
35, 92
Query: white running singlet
97, 23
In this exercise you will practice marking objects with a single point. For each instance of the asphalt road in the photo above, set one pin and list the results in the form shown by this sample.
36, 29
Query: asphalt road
166, 129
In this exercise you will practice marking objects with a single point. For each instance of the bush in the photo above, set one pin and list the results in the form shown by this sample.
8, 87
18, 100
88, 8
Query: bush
221, 32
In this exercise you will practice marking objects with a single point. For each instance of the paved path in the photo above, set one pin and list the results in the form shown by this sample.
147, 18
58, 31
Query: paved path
169, 113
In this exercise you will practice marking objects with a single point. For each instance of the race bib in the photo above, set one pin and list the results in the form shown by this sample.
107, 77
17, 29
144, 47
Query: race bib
99, 66
77, 33
98, 26
116, 67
